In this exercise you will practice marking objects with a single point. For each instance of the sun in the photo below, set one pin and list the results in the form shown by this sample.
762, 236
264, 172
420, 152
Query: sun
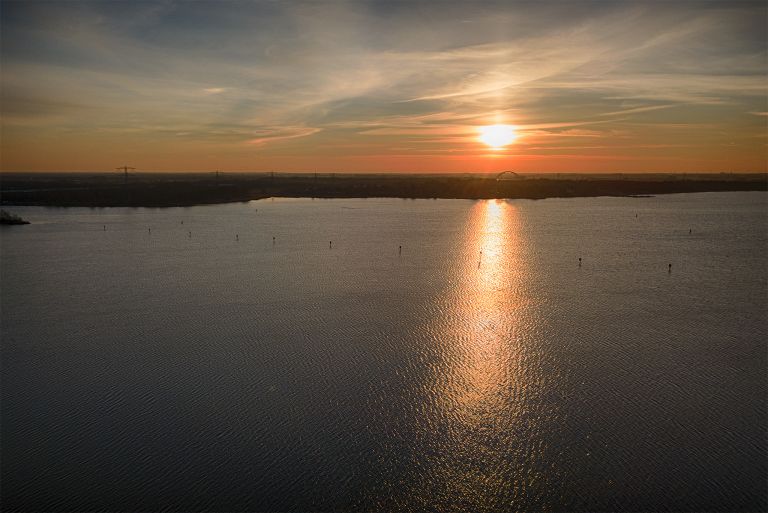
497, 136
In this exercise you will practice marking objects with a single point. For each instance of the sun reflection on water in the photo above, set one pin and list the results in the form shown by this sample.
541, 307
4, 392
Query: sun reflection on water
489, 372
486, 358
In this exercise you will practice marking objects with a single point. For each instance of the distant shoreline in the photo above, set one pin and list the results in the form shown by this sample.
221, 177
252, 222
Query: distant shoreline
180, 190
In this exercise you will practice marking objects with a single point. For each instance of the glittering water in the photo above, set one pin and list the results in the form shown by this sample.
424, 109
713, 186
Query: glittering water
183, 359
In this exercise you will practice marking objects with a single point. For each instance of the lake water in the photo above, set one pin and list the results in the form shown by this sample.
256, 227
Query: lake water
205, 366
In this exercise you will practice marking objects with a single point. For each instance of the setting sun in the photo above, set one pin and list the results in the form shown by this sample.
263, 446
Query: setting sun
497, 136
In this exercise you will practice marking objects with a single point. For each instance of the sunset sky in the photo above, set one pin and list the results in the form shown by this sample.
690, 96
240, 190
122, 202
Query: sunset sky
384, 86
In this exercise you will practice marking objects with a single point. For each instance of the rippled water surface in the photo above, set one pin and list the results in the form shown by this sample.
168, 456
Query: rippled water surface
442, 355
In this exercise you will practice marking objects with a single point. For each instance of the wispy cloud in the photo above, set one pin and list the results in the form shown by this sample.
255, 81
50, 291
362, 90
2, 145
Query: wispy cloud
635, 110
271, 134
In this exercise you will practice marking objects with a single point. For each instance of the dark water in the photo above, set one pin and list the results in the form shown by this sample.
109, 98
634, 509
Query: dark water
480, 370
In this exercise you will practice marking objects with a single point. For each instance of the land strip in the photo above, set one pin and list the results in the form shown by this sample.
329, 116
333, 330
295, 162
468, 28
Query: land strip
170, 190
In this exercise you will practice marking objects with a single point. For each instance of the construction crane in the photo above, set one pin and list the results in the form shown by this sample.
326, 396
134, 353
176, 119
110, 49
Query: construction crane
125, 169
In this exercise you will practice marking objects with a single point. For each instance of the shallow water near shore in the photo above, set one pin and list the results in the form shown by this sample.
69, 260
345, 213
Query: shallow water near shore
386, 354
